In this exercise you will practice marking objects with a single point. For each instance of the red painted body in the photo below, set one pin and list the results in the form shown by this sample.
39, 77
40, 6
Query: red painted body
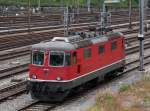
83, 66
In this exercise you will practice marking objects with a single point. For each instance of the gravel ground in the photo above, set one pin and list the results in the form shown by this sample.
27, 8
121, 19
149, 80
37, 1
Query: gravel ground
8, 81
14, 62
15, 103
134, 56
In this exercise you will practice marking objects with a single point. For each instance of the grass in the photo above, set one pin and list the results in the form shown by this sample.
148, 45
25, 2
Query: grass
124, 87
134, 97
104, 100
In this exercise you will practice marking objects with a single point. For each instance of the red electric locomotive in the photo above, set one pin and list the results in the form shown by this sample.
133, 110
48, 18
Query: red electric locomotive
65, 63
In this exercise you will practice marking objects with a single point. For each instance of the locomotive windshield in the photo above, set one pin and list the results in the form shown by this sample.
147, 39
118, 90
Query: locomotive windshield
37, 57
56, 58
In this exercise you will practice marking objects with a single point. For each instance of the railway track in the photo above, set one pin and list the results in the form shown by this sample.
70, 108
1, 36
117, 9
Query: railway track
12, 28
13, 53
20, 24
38, 106
6, 21
13, 90
20, 86
15, 28
13, 41
13, 70
4, 55
37, 34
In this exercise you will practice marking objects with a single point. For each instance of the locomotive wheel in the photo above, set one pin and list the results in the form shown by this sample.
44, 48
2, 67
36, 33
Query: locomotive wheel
114, 73
119, 71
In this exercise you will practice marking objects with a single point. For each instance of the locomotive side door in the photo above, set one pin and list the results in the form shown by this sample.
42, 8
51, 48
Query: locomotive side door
74, 62
75, 67
114, 52
78, 63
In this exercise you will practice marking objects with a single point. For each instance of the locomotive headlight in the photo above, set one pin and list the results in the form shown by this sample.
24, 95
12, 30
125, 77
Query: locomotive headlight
58, 78
34, 76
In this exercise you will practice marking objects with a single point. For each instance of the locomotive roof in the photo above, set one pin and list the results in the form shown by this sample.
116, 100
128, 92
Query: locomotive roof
57, 45
73, 45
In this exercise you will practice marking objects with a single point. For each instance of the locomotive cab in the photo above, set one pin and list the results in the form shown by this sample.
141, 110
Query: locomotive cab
48, 65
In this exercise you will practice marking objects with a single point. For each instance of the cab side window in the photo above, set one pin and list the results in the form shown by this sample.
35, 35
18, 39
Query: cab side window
87, 53
114, 45
67, 59
74, 56
101, 49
